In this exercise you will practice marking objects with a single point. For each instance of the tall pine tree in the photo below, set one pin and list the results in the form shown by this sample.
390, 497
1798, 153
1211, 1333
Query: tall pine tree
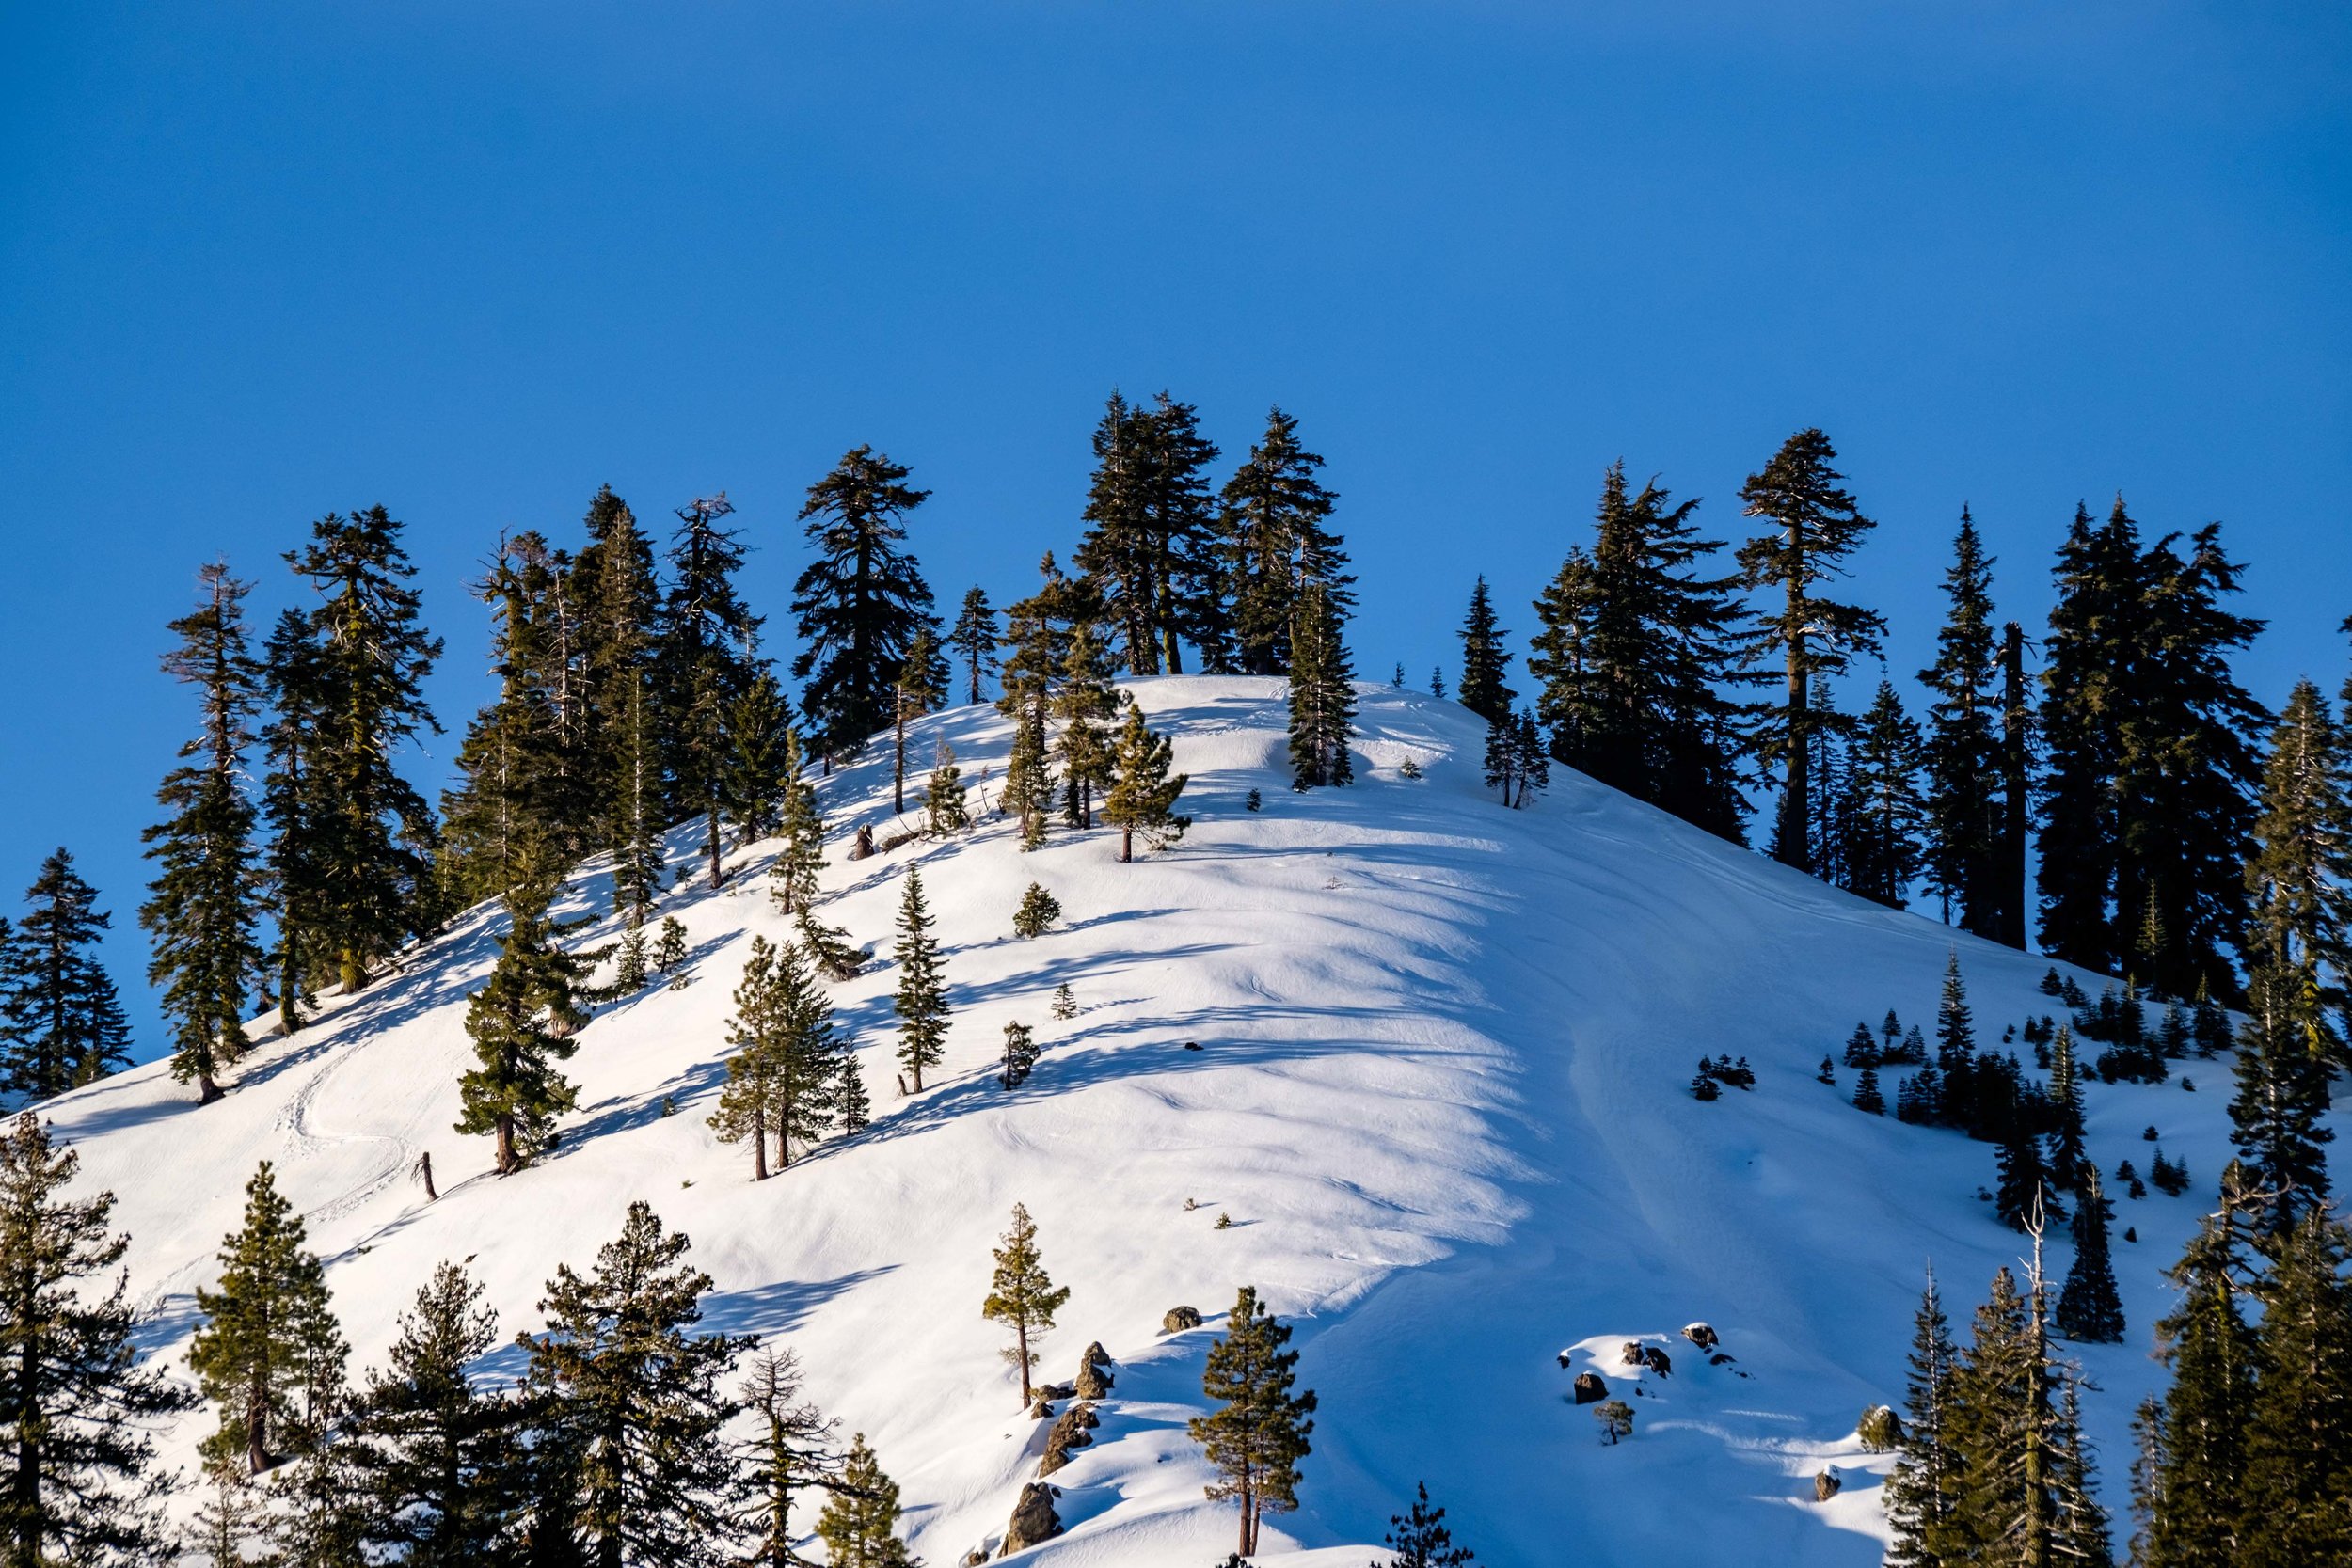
1964, 745
860, 603
1258, 1431
1278, 543
522, 1021
1485, 662
1322, 692
973, 640
269, 1352
921, 1002
61, 1021
708, 660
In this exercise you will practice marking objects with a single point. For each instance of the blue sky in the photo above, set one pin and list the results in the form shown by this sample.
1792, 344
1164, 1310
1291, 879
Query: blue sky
258, 263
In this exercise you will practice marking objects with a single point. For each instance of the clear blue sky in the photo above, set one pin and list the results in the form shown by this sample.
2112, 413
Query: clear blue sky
261, 261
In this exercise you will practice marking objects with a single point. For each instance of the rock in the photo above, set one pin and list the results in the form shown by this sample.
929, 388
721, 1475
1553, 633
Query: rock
1033, 1519
1658, 1361
1094, 1356
1178, 1318
1589, 1387
1070, 1433
1094, 1373
1564, 1361
1629, 1353
1825, 1486
1042, 1410
1055, 1391
973, 1558
1721, 1358
1879, 1429
1699, 1335
1192, 1045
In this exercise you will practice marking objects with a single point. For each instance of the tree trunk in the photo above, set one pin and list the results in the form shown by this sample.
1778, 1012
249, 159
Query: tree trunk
508, 1164
1126, 845
206, 1090
759, 1147
1796, 797
1021, 1335
256, 1433
354, 972
717, 876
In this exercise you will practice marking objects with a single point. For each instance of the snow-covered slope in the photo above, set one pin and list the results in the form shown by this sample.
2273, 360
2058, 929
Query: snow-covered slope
1441, 1090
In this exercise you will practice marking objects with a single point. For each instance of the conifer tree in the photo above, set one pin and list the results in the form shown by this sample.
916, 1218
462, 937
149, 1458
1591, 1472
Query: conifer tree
436, 1460
1485, 662
204, 906
921, 686
2296, 1498
1867, 1096
945, 810
61, 1021
1815, 526
2071, 1170
2018, 730
856, 1110
2276, 1116
375, 834
2191, 1499
1882, 816
747, 1104
293, 741
1418, 1538
2302, 924
269, 1354
78, 1412
1037, 911
1084, 703
2003, 1420
522, 1021
1020, 1055
1037, 638
2089, 1309
802, 827
860, 604
1150, 549
2022, 1193
787, 1059
921, 1002
974, 638
1277, 545
632, 1401
1143, 795
1925, 1493
860, 1519
1321, 690
1260, 1430
706, 663
1023, 1296
1963, 746
1028, 789
620, 648
758, 735
788, 1452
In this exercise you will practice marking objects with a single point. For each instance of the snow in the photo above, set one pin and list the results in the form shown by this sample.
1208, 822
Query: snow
1441, 1092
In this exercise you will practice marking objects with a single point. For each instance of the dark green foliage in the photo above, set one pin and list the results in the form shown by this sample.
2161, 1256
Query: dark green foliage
1867, 1096
621, 644
1020, 1295
435, 1461
860, 603
1965, 801
1085, 702
269, 1354
1634, 652
62, 1023
1150, 550
295, 743
1485, 659
373, 833
2300, 932
1142, 801
2023, 1195
2071, 1170
921, 687
1862, 1047
1020, 1055
522, 1021
1065, 1006
205, 901
78, 1414
1275, 547
1418, 1538
705, 665
1260, 1430
860, 1520
760, 747
973, 638
1037, 911
631, 1406
782, 1079
921, 1002
1925, 1490
1703, 1085
1028, 792
2189, 1491
2276, 1116
2296, 1495
856, 1110
2089, 1309
1321, 689
1616, 1420
1515, 763
946, 812
1815, 526
1880, 816
788, 1452
800, 824
669, 948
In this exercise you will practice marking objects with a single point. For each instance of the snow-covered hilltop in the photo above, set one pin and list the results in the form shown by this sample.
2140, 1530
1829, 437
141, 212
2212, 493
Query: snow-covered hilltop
1439, 1090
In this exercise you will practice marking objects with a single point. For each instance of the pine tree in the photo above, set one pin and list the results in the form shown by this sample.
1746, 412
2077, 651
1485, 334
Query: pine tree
747, 1104
436, 1460
2022, 1193
2002, 1421
2089, 1309
1065, 1005
758, 738
1485, 662
1150, 543
860, 604
2079, 1533
375, 832
1531, 763
945, 813
1038, 631
1277, 545
1260, 1430
1634, 653
2191, 1499
293, 740
632, 1401
1023, 1296
2276, 1115
1028, 789
269, 1354
1815, 526
787, 1452
802, 827
2296, 1498
921, 1002
860, 1518
229, 1519
706, 663
1321, 690
522, 1021
620, 656
1924, 1492
1020, 1055
782, 1078
2071, 1170
1142, 799
1956, 1050
974, 638
1884, 816
856, 1110
1867, 1094
1963, 746
78, 1412
1085, 702
1037, 911
203, 908
2301, 912
61, 1021
921, 687
2018, 730
1419, 1537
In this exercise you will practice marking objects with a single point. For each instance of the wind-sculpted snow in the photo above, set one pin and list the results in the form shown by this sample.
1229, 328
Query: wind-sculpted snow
1441, 1092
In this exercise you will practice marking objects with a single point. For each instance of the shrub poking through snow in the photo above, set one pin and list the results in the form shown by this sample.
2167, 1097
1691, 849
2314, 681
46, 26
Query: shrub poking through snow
1020, 1055
1037, 914
1616, 1420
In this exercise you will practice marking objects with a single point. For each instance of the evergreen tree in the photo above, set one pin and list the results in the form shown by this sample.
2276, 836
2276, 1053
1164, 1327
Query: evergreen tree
706, 663
1037, 911
759, 740
2089, 1309
1634, 653
78, 1414
856, 1110
1321, 690
2296, 881
2071, 1170
621, 643
974, 638
1963, 746
1020, 1055
788, 1452
293, 740
269, 1354
1485, 662
630, 1397
522, 1021
2023, 1195
802, 827
921, 1002
2191, 1496
2276, 1116
1151, 546
2296, 1495
1023, 1296
1084, 703
1036, 639
204, 906
1258, 1431
860, 1519
1815, 526
921, 686
1143, 796
1867, 1096
2018, 728
2002, 1422
1028, 788
1924, 1494
62, 1023
1884, 814
374, 834
787, 1059
945, 811
435, 1460
1276, 546
860, 603
1419, 1537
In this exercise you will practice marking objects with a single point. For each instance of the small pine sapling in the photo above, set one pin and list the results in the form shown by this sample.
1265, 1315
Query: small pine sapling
629, 973
1065, 1006
1419, 1537
850, 1101
1616, 1420
1254, 802
1703, 1086
944, 800
1020, 1055
669, 948
1867, 1096
1408, 769
1037, 914
1827, 1072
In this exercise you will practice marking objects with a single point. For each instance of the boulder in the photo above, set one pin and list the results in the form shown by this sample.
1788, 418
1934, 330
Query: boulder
1055, 1391
1590, 1388
1629, 1353
1658, 1361
1825, 1486
1094, 1373
1073, 1431
1699, 1335
973, 1558
1178, 1318
1042, 1410
1033, 1519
